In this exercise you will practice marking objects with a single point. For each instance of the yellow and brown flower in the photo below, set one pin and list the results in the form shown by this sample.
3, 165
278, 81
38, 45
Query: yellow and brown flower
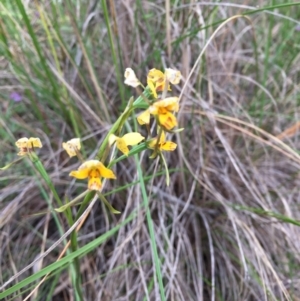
94, 170
163, 109
27, 145
161, 145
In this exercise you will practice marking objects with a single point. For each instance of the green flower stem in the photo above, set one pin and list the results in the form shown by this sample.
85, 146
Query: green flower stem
117, 126
75, 274
89, 196
151, 231
41, 169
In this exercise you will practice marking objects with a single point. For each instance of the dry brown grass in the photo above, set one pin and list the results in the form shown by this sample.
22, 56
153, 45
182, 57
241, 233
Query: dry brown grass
223, 227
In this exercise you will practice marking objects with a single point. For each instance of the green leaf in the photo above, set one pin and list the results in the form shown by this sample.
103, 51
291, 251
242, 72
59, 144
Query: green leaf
11, 163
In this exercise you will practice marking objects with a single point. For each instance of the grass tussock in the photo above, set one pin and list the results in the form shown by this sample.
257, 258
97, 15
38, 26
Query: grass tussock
227, 226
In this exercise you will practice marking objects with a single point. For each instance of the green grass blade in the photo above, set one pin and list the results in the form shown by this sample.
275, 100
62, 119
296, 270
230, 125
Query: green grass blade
151, 231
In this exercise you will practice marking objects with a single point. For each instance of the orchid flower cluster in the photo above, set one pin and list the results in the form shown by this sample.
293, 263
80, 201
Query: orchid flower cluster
155, 103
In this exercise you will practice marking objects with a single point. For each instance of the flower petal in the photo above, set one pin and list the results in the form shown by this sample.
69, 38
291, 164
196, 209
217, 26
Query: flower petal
155, 75
133, 138
152, 143
144, 118
152, 88
170, 103
22, 142
112, 139
105, 172
130, 78
90, 164
168, 146
80, 174
23, 152
167, 120
72, 146
162, 138
173, 76
121, 145
94, 183
160, 86
153, 110
35, 142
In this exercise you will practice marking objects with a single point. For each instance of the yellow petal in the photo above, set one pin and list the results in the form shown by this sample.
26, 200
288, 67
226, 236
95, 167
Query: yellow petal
94, 183
72, 146
160, 86
152, 88
162, 138
168, 146
112, 139
144, 118
121, 145
25, 145
155, 75
173, 76
80, 174
170, 103
152, 143
22, 142
133, 138
71, 152
173, 107
167, 120
22, 152
130, 78
153, 110
105, 172
90, 164
35, 142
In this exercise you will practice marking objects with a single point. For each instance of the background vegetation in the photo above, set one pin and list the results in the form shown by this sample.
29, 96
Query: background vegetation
227, 227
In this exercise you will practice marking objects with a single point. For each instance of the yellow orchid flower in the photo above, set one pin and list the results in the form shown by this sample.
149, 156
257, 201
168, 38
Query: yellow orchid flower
130, 78
72, 146
163, 109
162, 145
93, 170
156, 81
26, 145
129, 139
